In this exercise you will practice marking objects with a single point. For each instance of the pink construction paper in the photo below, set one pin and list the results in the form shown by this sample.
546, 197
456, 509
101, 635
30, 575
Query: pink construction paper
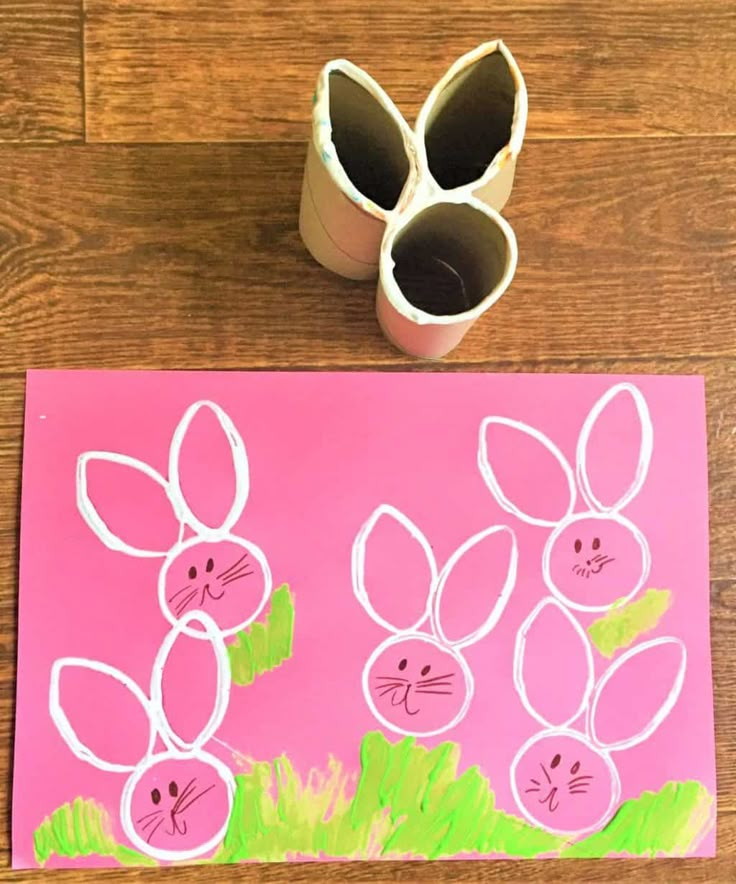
324, 451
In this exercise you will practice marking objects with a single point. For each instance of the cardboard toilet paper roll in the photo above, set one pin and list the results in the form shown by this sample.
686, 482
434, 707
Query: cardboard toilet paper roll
442, 267
378, 198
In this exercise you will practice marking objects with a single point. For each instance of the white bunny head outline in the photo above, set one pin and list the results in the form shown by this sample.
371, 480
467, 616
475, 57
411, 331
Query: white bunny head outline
587, 735
251, 558
436, 636
596, 509
176, 748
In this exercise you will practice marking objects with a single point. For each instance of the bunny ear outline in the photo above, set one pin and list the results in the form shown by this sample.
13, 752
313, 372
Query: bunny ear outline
66, 728
240, 467
575, 642
222, 689
646, 447
358, 566
485, 465
466, 552
636, 656
91, 515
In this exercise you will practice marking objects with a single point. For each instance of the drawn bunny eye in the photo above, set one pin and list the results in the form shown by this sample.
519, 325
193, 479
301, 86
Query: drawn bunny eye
575, 768
173, 789
155, 796
402, 664
211, 564
579, 546
425, 669
555, 761
192, 573
596, 543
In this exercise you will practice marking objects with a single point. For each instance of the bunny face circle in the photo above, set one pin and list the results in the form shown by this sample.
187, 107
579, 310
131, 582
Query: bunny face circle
415, 685
176, 806
563, 783
229, 579
593, 560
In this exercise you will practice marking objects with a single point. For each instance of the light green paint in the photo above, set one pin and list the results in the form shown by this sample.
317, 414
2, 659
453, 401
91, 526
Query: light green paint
667, 823
623, 624
407, 801
82, 828
264, 646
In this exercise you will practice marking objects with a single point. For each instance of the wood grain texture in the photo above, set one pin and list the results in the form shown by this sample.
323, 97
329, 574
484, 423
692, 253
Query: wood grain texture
199, 70
41, 70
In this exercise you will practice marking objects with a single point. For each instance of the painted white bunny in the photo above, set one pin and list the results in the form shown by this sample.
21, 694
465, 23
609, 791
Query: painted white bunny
226, 576
564, 777
176, 802
417, 681
596, 558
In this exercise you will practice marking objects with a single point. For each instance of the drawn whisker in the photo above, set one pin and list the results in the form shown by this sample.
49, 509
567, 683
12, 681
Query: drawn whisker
578, 791
579, 779
153, 831
422, 691
385, 688
183, 604
435, 678
598, 557
196, 798
536, 782
532, 790
185, 792
544, 771
238, 571
237, 577
391, 677
179, 591
147, 815
434, 684
232, 567
575, 569
154, 815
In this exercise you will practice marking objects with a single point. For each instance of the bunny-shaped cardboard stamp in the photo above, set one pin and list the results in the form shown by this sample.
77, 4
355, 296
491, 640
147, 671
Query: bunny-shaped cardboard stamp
177, 800
564, 778
214, 570
417, 681
595, 558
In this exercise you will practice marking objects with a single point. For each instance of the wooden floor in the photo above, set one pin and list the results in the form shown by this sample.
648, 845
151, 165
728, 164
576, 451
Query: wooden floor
150, 163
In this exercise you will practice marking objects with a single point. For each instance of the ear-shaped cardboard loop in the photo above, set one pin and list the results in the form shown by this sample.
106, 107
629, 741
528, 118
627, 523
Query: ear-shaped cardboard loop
488, 558
206, 477
646, 445
180, 684
133, 711
400, 564
360, 166
127, 503
641, 688
472, 125
443, 265
553, 665
510, 451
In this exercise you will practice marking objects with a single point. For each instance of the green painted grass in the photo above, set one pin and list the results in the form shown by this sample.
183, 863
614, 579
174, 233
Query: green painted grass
82, 828
622, 625
264, 646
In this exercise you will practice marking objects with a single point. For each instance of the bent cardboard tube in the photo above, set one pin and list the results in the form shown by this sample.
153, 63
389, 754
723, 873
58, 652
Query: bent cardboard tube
360, 164
442, 267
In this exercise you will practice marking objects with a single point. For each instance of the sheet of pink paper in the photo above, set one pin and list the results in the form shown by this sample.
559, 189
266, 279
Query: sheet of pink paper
324, 451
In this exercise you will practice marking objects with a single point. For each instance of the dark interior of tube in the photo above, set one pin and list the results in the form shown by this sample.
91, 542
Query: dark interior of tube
471, 122
368, 141
449, 258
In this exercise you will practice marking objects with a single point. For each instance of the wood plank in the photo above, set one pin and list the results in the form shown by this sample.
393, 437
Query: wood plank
206, 70
41, 70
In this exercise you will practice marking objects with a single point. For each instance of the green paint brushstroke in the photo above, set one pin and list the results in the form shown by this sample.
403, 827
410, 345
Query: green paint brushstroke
667, 823
623, 624
407, 801
82, 828
264, 646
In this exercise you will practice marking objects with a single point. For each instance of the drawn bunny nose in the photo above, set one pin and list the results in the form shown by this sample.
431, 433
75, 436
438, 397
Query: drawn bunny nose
587, 562
207, 586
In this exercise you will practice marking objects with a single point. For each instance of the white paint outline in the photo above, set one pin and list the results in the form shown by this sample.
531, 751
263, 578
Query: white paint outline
646, 447
358, 566
503, 597
431, 613
182, 512
240, 467
646, 560
430, 640
579, 479
254, 550
589, 702
520, 650
575, 735
159, 727
486, 470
